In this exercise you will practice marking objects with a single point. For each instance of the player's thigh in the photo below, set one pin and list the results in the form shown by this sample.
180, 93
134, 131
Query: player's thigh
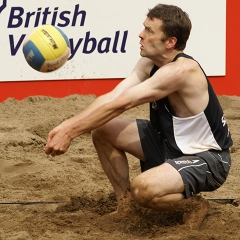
122, 134
159, 181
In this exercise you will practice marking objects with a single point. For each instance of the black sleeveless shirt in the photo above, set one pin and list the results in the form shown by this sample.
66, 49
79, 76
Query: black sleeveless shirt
204, 131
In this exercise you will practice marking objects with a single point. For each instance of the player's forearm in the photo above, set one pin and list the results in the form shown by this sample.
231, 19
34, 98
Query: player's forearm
97, 114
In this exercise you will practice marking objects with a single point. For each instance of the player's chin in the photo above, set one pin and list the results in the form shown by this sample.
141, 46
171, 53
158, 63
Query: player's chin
142, 53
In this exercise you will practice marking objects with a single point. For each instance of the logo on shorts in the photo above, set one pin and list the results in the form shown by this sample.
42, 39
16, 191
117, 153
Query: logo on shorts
180, 162
155, 105
3, 5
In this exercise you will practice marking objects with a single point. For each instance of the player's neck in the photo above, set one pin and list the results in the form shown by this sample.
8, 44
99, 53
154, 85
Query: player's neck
166, 58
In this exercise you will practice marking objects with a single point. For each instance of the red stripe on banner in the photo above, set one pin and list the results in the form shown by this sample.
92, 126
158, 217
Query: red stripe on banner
56, 88
224, 85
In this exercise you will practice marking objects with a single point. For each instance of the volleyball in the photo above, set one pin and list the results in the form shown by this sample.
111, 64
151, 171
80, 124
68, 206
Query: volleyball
46, 48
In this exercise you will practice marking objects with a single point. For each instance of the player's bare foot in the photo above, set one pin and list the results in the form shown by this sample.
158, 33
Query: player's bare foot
123, 210
121, 213
126, 207
194, 217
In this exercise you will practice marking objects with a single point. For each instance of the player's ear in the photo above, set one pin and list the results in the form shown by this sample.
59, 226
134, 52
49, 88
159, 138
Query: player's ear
171, 42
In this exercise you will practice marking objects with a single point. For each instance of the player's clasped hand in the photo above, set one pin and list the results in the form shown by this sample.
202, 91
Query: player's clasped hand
58, 142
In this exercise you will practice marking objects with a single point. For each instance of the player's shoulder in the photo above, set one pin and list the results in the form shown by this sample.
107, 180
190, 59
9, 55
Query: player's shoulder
144, 66
145, 63
186, 63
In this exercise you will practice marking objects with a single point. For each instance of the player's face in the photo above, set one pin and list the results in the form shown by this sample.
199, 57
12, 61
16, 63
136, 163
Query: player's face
151, 39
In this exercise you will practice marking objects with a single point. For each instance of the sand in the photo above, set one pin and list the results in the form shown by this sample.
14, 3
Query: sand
69, 196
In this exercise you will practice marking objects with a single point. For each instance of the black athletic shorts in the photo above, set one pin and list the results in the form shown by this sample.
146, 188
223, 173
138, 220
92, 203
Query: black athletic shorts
202, 172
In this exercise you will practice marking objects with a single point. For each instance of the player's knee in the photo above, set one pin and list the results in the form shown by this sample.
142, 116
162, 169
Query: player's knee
104, 133
95, 135
98, 134
140, 191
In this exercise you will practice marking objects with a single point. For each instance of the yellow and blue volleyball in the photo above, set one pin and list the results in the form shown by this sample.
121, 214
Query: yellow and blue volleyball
46, 48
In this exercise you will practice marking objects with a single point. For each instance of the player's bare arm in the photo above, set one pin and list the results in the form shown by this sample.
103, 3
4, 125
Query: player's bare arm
96, 114
137, 89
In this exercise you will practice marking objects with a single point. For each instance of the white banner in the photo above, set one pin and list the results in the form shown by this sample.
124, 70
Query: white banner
103, 35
